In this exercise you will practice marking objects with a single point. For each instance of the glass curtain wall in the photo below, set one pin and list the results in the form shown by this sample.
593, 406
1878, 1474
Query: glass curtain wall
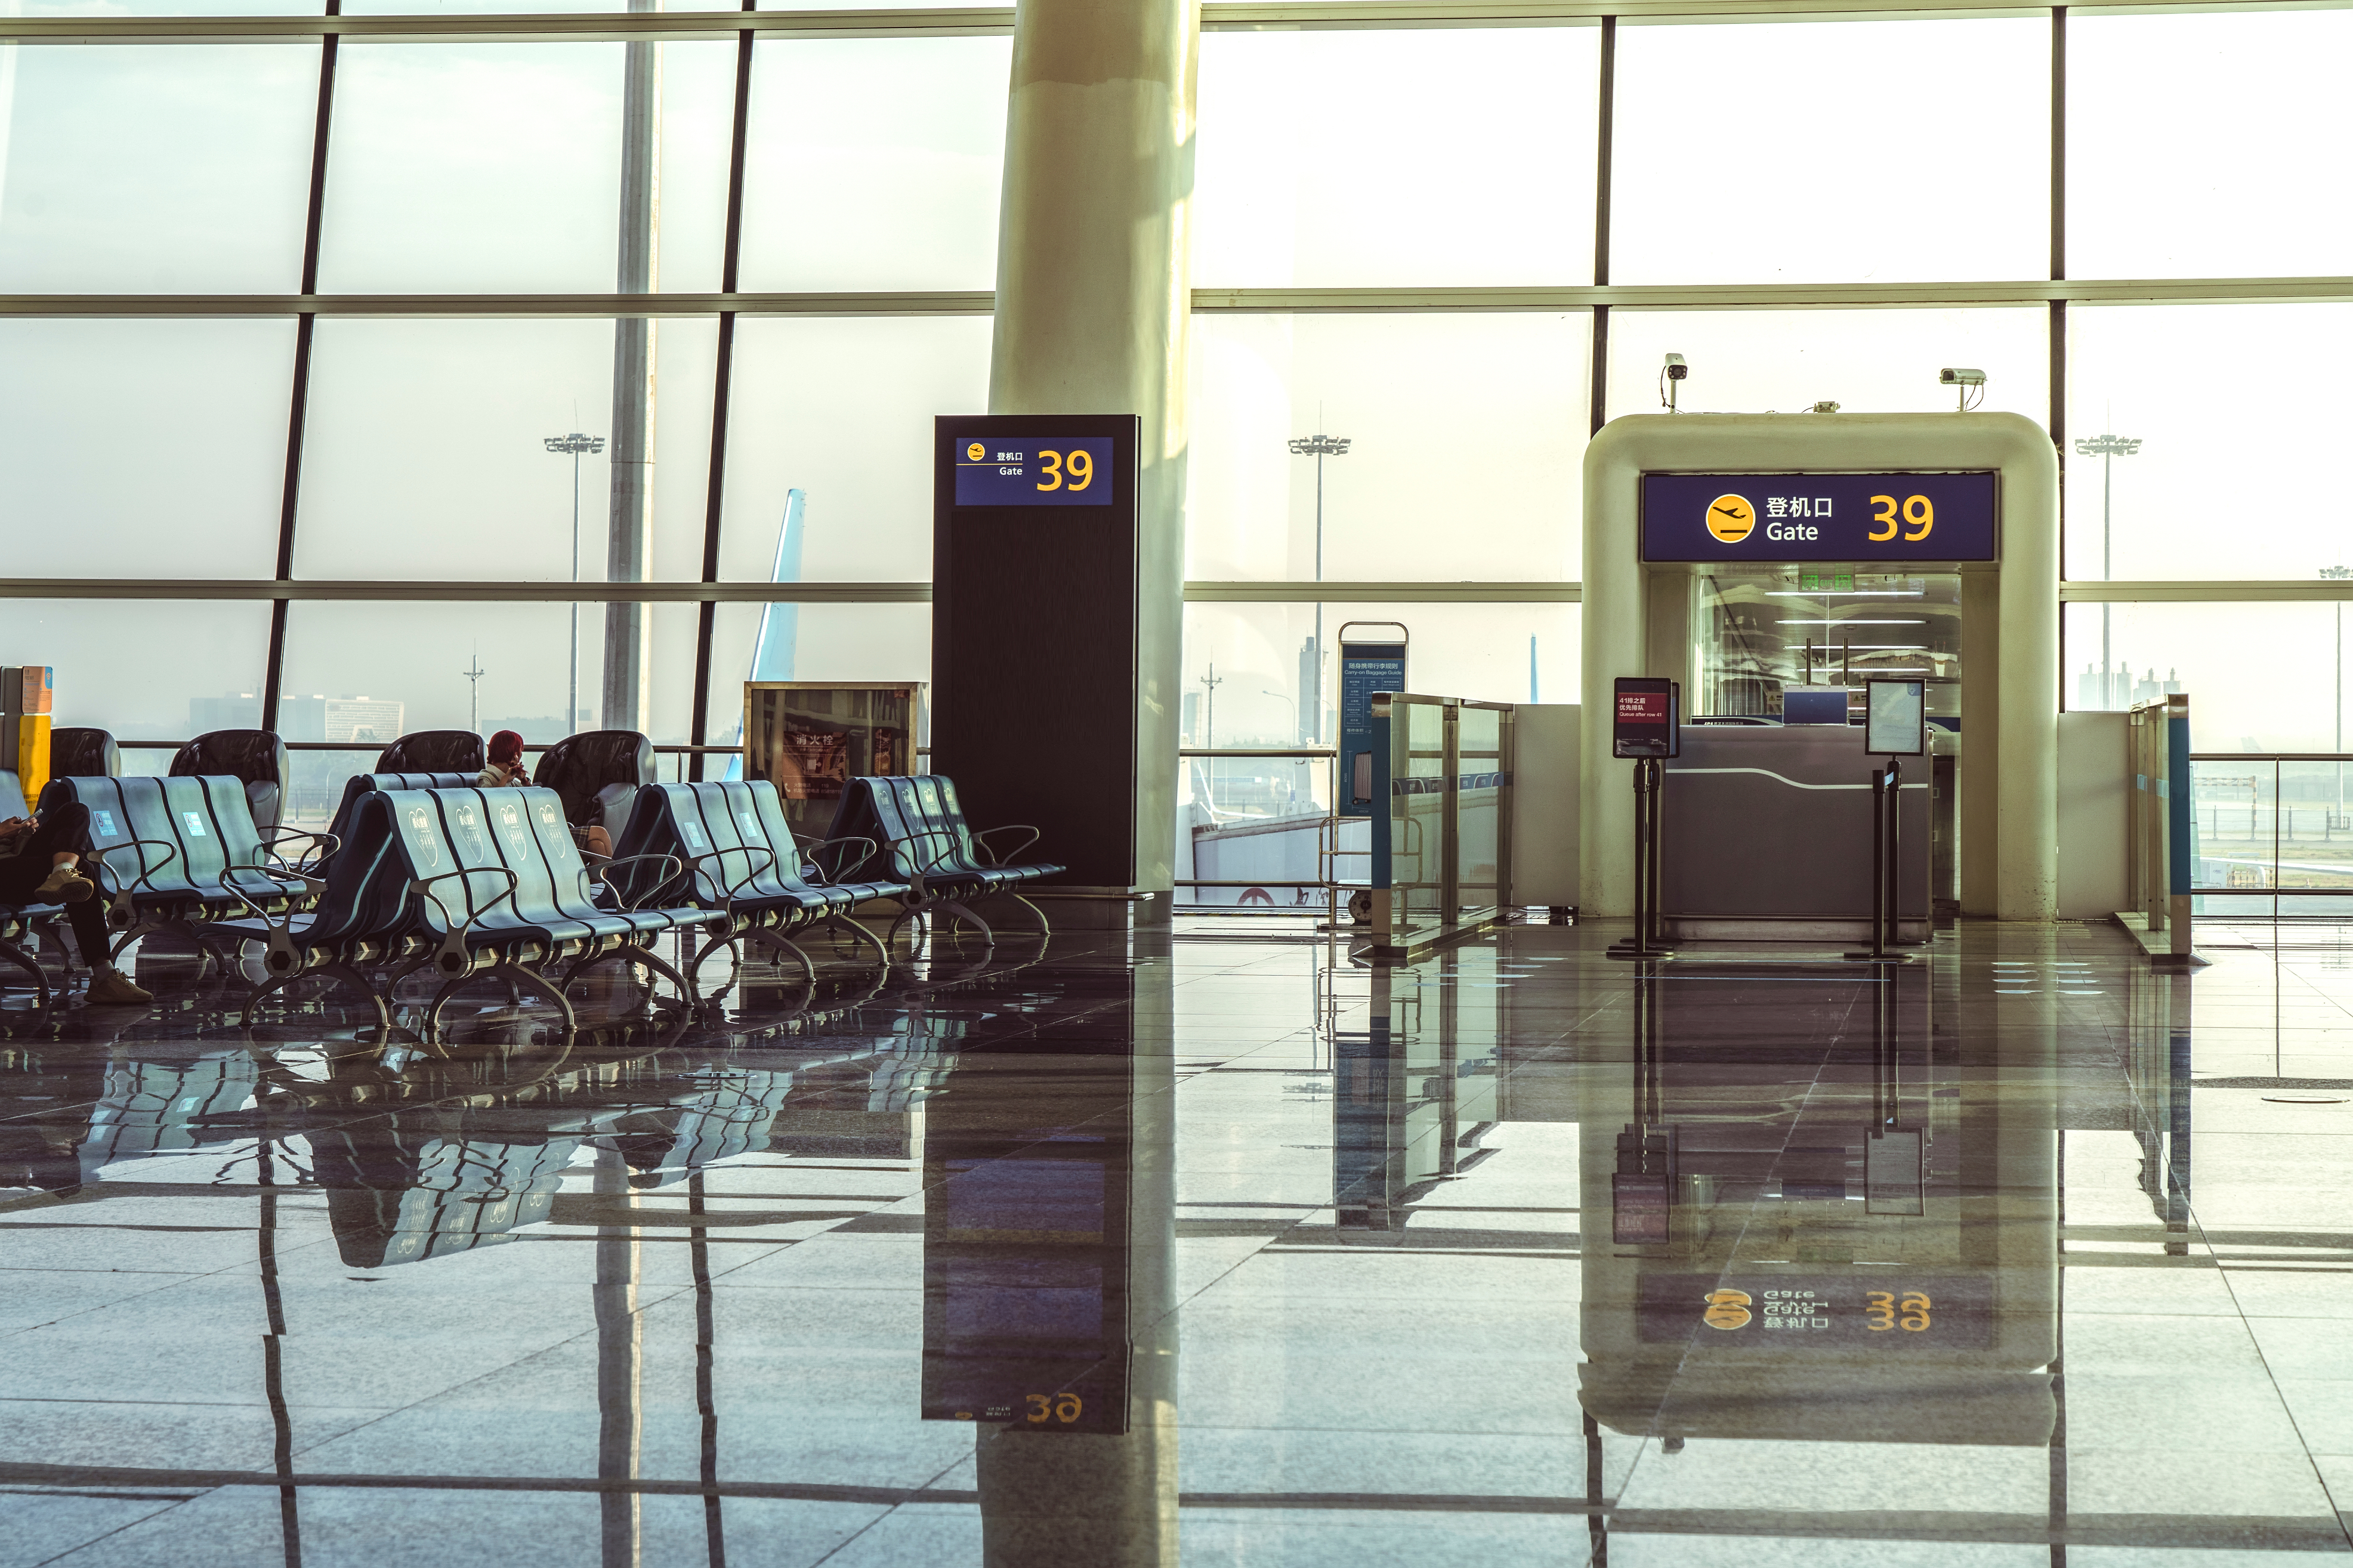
352, 313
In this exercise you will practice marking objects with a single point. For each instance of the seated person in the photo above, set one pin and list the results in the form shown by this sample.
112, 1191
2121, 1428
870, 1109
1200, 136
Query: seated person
506, 772
41, 863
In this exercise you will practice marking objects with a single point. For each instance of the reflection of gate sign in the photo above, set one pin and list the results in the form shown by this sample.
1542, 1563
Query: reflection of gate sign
1255, 895
1727, 1309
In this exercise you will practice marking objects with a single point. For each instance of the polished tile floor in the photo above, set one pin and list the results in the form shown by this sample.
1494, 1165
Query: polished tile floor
1217, 1250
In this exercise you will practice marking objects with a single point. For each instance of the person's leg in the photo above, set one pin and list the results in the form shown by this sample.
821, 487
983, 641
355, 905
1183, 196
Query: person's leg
88, 918
60, 843
64, 830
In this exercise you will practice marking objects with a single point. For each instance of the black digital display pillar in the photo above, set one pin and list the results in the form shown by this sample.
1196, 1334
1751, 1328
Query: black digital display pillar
1035, 632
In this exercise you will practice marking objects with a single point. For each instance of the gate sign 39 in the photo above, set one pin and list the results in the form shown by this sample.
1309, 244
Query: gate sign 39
1818, 517
1033, 470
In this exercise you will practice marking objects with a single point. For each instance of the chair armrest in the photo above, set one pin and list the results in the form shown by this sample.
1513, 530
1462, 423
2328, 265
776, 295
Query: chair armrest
472, 914
750, 872
942, 858
833, 873
120, 896
1000, 859
171, 853
602, 872
273, 837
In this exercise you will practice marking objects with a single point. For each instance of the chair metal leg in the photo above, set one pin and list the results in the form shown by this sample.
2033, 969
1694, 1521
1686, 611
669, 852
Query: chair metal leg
661, 965
536, 982
509, 973
1045, 927
637, 954
773, 939
392, 982
724, 939
10, 952
965, 914
843, 923
342, 971
350, 976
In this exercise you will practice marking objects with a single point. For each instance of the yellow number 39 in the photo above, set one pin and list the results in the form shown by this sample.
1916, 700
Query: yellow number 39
1919, 513
1082, 470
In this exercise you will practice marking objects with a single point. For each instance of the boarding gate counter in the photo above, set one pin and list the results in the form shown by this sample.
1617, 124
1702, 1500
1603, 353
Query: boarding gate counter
1751, 557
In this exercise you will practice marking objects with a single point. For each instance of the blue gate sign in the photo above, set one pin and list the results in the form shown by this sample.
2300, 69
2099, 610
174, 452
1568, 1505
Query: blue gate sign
1033, 470
1365, 668
1819, 517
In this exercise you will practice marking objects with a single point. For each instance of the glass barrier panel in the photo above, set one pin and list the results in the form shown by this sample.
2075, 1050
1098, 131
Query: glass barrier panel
1417, 810
2314, 847
1263, 825
2234, 813
1480, 800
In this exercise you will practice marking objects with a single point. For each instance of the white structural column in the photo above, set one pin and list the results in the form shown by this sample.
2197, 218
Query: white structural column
628, 648
1094, 300
2009, 771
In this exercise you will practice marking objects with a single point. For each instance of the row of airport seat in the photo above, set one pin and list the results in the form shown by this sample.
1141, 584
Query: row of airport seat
186, 852
469, 881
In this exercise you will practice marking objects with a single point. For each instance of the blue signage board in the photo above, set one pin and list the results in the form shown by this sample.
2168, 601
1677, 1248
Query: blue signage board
1033, 470
1365, 668
1819, 517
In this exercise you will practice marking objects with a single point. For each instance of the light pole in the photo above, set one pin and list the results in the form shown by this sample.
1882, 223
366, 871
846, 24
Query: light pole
1297, 764
1319, 447
573, 446
1210, 684
473, 673
2107, 448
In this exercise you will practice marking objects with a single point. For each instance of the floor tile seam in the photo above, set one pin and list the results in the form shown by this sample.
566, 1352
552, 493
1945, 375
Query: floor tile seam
173, 1280
938, 1476
2271, 1380
127, 1524
387, 1414
1176, 1307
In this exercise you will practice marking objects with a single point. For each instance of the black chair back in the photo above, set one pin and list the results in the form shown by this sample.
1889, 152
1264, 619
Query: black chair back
598, 775
434, 751
84, 754
256, 756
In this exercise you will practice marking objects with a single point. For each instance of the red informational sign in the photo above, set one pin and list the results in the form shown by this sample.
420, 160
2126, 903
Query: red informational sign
1644, 718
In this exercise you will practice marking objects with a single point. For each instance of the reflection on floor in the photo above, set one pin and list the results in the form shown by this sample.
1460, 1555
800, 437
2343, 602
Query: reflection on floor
1216, 1252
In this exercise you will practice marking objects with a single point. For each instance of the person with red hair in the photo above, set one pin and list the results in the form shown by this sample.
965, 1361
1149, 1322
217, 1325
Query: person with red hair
506, 762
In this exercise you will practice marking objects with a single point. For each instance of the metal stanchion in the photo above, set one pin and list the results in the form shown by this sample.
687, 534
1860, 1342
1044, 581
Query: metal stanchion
1886, 867
1650, 798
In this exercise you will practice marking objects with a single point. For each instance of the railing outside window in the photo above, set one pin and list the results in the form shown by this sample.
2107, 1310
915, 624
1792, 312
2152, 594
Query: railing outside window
2272, 834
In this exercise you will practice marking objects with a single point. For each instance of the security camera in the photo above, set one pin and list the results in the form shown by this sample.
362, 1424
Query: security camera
1669, 380
1964, 379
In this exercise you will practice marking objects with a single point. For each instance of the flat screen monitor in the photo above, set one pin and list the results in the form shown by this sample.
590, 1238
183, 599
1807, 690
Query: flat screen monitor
1813, 705
1896, 719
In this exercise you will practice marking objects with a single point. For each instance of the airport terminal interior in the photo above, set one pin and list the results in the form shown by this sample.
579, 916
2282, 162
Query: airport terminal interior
1163, 783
